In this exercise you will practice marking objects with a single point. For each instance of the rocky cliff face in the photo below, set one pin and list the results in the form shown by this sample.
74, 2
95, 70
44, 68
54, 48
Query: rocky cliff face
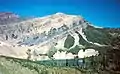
44, 37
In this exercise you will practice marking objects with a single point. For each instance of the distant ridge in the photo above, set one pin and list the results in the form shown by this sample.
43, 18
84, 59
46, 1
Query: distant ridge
8, 17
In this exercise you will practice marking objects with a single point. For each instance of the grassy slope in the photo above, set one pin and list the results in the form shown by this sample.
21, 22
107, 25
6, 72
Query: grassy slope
69, 42
97, 35
18, 66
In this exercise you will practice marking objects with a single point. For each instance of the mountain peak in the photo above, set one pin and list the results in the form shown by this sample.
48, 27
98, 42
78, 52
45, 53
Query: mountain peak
60, 13
44, 33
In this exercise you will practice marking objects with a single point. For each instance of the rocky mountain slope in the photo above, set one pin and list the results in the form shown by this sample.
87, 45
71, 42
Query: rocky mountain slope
8, 17
51, 36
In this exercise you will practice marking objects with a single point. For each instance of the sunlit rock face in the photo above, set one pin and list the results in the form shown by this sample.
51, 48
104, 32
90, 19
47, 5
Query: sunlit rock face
50, 34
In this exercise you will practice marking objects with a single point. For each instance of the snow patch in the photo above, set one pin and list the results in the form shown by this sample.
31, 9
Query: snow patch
83, 35
99, 44
76, 37
87, 53
63, 55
